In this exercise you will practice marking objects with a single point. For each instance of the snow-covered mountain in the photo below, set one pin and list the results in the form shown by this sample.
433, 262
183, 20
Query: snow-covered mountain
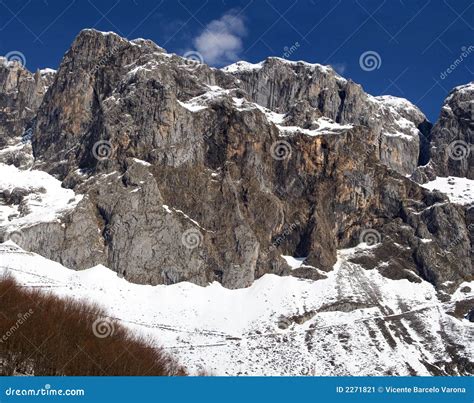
268, 218
354, 322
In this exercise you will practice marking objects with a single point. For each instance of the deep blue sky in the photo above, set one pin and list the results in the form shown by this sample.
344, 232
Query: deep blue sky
417, 40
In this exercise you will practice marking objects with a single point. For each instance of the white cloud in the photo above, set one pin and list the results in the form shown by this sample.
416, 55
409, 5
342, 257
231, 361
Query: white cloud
221, 41
340, 67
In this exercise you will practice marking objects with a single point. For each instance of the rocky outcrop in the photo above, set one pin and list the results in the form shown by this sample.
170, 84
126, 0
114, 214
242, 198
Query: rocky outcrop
21, 93
452, 137
168, 171
195, 174
280, 85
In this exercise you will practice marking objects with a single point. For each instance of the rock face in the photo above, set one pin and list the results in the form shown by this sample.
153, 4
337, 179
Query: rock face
288, 87
195, 174
174, 171
21, 93
453, 136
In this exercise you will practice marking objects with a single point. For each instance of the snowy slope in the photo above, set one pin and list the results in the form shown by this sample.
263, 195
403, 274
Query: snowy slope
43, 199
458, 190
355, 322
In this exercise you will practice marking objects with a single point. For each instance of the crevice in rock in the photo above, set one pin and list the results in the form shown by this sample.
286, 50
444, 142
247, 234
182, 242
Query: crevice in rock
425, 142
106, 230
342, 95
303, 247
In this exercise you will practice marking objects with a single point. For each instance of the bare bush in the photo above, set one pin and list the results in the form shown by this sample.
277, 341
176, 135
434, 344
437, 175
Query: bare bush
41, 334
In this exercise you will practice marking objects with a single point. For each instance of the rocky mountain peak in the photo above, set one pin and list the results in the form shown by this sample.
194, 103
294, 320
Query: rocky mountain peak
21, 93
280, 85
166, 171
251, 162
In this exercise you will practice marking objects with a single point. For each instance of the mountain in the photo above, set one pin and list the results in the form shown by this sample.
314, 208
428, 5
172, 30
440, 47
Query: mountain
453, 136
354, 322
21, 93
277, 174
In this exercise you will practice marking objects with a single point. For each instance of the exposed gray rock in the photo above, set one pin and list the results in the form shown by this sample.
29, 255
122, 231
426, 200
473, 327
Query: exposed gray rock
190, 173
452, 137
21, 93
186, 177
281, 85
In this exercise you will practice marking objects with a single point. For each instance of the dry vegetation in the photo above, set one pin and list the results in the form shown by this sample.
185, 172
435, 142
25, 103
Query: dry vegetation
41, 334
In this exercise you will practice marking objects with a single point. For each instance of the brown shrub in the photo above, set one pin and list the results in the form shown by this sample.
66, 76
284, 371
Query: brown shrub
41, 334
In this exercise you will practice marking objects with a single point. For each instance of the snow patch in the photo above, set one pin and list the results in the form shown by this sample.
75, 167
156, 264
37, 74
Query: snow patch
294, 262
45, 200
200, 102
141, 162
192, 107
324, 126
458, 190
47, 71
242, 66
